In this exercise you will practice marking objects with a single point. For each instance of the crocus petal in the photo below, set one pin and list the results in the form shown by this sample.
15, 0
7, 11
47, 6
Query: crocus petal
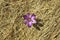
33, 21
29, 15
29, 24
25, 16
33, 17
25, 21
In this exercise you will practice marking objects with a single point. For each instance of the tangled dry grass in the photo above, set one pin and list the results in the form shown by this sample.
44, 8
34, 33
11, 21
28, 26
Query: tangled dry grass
11, 20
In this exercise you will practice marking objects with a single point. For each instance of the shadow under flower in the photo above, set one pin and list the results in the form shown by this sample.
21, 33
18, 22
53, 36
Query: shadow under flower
38, 24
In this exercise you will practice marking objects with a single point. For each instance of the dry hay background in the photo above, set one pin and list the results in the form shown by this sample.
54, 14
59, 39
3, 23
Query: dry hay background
13, 28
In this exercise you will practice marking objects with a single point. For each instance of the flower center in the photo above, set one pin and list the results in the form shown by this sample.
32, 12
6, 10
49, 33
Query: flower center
29, 19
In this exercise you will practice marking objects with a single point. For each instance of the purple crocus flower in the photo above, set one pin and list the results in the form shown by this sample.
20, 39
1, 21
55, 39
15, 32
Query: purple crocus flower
29, 19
